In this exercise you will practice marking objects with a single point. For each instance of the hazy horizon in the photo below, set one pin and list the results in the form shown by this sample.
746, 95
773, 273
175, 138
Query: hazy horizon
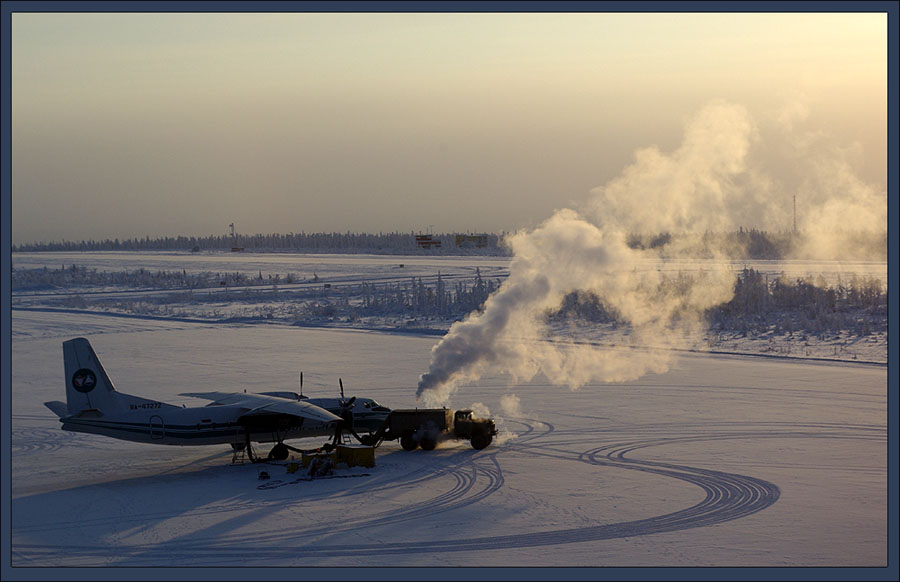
134, 125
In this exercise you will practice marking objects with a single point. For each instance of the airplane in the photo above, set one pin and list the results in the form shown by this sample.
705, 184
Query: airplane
94, 406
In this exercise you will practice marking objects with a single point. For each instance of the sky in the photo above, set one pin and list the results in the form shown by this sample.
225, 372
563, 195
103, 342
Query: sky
134, 125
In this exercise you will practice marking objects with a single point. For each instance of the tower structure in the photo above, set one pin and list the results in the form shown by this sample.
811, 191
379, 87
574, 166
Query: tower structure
795, 214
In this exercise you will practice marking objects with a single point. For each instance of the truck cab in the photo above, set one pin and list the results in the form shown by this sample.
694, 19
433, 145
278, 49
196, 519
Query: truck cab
479, 431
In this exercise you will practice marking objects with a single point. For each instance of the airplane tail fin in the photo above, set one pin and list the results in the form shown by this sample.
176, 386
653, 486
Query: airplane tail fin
87, 385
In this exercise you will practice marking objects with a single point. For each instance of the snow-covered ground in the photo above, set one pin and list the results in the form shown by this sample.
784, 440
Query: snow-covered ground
304, 264
326, 290
329, 267
724, 460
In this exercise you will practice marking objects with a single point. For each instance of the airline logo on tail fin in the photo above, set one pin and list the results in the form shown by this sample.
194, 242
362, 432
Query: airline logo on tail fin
84, 380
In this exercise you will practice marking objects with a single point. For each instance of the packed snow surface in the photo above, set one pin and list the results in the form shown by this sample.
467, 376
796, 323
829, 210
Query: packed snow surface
330, 291
723, 460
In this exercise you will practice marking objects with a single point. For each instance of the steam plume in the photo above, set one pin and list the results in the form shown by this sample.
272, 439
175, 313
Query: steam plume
838, 212
707, 184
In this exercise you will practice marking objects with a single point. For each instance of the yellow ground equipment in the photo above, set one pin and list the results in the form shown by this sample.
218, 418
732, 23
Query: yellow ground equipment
306, 458
356, 455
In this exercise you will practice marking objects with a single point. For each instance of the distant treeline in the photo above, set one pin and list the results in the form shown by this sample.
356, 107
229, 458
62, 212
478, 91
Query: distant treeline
73, 277
761, 303
740, 244
806, 304
414, 297
762, 245
393, 242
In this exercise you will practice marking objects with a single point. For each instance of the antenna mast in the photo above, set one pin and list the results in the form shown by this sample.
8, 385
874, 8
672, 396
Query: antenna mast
795, 214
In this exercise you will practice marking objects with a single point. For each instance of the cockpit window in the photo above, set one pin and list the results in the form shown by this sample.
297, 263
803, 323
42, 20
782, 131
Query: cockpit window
374, 406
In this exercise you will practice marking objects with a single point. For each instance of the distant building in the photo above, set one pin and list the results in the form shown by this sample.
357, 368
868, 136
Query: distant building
470, 241
425, 241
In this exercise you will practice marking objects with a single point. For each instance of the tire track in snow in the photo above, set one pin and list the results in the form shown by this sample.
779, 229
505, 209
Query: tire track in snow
28, 440
728, 496
468, 487
36, 440
475, 477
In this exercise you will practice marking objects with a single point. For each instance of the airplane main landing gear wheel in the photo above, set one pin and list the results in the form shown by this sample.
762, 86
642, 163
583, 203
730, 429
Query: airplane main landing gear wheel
279, 452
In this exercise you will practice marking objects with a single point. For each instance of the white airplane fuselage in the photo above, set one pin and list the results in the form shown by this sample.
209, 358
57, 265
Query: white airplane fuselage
165, 424
94, 406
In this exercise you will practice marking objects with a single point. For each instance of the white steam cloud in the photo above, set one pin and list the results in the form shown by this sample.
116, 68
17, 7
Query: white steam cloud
707, 184
691, 190
836, 209
511, 405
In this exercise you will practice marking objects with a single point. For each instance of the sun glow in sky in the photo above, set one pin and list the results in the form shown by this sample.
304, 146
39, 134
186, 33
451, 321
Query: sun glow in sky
128, 125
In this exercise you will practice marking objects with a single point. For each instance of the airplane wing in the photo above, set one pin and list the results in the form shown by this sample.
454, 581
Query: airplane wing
258, 404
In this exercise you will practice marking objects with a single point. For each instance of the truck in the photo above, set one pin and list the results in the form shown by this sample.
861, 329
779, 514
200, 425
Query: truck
425, 427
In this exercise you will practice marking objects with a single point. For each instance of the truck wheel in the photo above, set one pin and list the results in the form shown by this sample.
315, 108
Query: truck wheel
480, 441
427, 443
408, 442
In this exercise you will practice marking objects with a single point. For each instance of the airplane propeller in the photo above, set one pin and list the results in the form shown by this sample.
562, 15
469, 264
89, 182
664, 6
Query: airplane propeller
346, 414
